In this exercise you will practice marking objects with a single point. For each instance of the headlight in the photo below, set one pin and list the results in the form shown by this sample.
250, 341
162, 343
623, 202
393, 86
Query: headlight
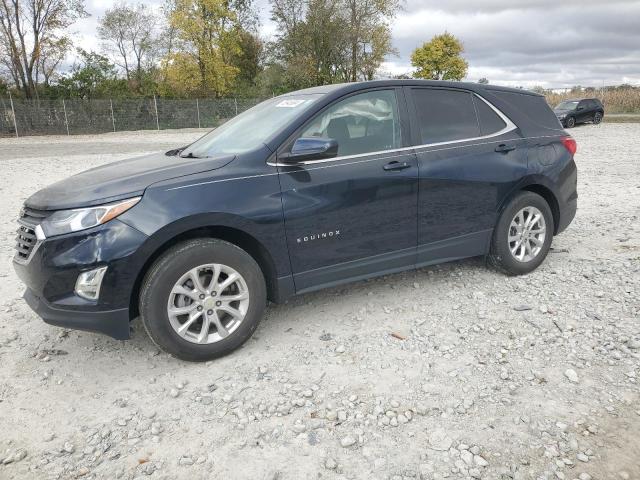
562, 115
67, 221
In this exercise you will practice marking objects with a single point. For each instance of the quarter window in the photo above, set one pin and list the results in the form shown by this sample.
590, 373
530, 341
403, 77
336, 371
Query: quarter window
445, 115
362, 123
489, 120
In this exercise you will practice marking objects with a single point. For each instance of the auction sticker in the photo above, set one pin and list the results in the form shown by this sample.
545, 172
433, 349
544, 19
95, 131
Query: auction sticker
291, 103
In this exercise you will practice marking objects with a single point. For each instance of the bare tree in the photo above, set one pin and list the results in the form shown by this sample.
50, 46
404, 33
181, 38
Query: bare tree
51, 56
29, 29
129, 33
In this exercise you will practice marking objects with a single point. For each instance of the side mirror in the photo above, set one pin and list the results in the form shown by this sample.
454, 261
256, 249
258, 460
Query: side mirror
310, 148
580, 108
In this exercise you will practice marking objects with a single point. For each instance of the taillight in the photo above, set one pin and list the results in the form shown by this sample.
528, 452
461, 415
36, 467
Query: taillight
570, 144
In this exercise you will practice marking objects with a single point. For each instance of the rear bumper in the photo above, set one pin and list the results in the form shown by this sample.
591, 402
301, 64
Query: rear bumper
114, 323
567, 196
567, 214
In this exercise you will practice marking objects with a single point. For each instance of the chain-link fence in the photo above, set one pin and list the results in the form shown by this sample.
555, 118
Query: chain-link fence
69, 117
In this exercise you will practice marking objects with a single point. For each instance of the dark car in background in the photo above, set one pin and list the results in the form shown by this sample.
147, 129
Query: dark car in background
572, 112
304, 191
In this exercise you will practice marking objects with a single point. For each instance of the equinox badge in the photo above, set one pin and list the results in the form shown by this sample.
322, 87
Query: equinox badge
318, 236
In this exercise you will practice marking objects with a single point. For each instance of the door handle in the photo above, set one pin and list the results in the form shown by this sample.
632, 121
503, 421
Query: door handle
504, 148
395, 165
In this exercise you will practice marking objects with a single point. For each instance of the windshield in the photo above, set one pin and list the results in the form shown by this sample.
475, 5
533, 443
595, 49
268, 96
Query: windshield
569, 105
251, 128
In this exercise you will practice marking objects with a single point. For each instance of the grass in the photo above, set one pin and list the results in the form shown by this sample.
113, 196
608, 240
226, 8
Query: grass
616, 100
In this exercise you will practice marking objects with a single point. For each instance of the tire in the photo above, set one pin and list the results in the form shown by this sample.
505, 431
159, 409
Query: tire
570, 122
500, 254
205, 257
597, 118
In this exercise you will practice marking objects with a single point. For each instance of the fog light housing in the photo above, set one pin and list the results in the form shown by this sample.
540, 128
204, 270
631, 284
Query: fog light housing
88, 283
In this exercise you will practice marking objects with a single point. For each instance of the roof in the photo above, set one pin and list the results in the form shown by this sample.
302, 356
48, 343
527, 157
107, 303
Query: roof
579, 99
349, 87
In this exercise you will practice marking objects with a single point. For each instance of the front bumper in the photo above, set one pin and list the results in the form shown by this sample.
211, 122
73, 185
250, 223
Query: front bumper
52, 270
114, 323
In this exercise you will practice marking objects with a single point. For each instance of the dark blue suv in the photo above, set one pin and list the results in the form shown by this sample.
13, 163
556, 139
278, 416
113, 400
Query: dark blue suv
304, 191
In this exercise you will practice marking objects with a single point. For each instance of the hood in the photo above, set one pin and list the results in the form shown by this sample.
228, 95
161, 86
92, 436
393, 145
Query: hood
119, 180
562, 110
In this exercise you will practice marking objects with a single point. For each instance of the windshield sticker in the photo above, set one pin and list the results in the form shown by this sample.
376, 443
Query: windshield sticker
291, 103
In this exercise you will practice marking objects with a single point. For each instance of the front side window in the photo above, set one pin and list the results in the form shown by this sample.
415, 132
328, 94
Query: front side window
445, 115
567, 105
363, 123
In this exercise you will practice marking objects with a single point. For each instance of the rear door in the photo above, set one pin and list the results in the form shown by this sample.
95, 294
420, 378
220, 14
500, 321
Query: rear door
469, 156
353, 215
584, 111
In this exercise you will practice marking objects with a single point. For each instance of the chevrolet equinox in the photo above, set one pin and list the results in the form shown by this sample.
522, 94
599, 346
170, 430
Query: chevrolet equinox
308, 190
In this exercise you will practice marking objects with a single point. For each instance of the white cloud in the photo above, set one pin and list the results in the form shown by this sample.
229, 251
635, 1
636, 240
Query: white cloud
529, 42
521, 42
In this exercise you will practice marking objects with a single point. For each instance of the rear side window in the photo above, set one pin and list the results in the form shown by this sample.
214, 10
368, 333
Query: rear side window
533, 106
489, 120
445, 115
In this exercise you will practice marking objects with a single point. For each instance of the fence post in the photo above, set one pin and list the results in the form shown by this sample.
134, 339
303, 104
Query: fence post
66, 121
235, 102
13, 111
198, 110
113, 119
155, 105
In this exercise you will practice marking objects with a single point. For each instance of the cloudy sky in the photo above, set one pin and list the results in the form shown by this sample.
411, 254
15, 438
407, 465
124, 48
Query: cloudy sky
552, 43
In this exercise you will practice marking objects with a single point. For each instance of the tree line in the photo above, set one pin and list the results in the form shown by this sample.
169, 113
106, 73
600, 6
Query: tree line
204, 48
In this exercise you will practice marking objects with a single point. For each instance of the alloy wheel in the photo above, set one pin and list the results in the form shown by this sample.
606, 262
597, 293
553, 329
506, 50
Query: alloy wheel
208, 303
527, 233
597, 118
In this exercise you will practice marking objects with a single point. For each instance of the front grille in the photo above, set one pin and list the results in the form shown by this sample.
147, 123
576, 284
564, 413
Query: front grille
26, 238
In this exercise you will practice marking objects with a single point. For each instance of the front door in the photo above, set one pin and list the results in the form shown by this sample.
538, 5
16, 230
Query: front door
354, 215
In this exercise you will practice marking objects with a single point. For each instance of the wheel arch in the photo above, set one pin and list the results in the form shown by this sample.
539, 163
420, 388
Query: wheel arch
536, 186
232, 235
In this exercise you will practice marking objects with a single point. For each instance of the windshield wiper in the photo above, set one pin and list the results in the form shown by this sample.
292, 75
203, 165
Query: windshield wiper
189, 155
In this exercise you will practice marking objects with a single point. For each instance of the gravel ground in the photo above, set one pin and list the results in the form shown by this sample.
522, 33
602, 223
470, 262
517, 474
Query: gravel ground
453, 371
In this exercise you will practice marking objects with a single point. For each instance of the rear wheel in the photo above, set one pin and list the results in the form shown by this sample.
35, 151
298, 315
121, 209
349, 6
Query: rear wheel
523, 234
202, 299
597, 118
570, 122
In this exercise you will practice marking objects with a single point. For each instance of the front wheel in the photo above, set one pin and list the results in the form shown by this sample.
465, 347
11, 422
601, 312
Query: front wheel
570, 122
202, 299
597, 118
523, 234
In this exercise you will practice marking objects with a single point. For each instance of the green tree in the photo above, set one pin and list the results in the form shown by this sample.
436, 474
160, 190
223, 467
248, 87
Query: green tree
367, 27
247, 59
207, 37
94, 76
440, 59
330, 41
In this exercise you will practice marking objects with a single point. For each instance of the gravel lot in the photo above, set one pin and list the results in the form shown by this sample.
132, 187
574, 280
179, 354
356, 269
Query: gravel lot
453, 371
